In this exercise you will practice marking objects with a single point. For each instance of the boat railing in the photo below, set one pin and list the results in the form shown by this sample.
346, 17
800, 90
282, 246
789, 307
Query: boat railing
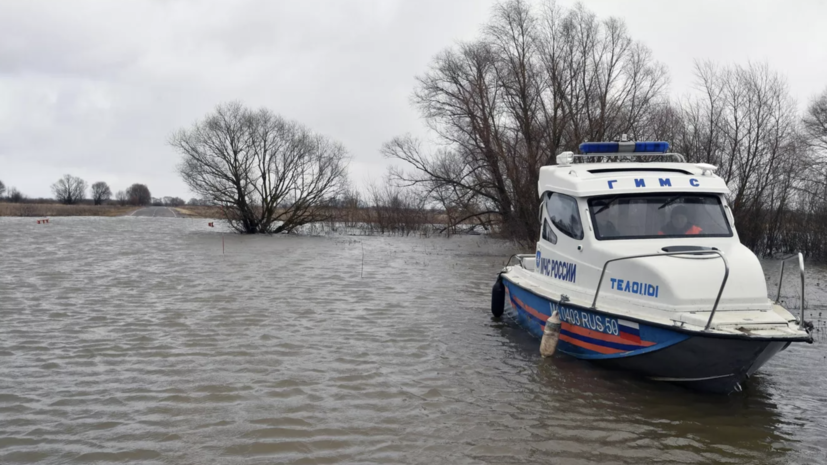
520, 257
667, 254
680, 158
784, 261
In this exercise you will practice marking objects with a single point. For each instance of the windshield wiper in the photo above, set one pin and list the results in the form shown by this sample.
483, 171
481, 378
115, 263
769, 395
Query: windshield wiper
609, 203
671, 201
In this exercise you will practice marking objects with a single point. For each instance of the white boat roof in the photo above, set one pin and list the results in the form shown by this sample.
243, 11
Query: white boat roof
595, 179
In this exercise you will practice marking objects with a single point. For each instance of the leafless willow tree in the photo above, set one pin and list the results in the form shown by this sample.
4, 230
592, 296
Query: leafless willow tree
815, 122
69, 189
271, 175
170, 201
199, 202
744, 121
348, 209
101, 192
809, 226
138, 195
397, 210
15, 196
536, 83
121, 198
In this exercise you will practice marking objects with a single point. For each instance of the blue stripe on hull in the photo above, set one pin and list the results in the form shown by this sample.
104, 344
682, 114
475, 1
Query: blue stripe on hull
586, 334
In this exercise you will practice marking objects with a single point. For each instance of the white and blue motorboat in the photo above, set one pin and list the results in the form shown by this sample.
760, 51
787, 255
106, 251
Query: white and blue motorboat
640, 259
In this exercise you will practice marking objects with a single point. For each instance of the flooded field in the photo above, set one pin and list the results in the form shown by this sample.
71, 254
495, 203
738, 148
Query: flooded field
135, 340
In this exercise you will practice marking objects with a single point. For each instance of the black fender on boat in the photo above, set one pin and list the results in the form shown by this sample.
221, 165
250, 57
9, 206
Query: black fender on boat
498, 297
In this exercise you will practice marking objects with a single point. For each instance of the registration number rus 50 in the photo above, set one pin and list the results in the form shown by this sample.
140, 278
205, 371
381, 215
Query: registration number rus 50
588, 320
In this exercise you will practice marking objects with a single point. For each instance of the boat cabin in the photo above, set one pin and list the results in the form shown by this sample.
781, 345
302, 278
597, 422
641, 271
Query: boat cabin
609, 203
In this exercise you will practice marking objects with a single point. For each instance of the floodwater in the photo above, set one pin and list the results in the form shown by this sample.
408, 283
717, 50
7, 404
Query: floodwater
135, 340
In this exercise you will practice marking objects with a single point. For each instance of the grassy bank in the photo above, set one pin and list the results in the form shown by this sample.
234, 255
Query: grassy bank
56, 209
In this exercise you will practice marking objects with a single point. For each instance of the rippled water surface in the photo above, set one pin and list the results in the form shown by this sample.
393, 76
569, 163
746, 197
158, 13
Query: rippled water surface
135, 339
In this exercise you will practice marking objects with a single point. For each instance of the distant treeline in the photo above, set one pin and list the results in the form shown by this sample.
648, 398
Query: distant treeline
390, 209
72, 190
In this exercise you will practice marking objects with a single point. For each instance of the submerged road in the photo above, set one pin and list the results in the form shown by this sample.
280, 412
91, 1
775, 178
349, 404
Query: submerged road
165, 212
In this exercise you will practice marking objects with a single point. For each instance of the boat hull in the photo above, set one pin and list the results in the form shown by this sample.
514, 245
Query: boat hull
702, 362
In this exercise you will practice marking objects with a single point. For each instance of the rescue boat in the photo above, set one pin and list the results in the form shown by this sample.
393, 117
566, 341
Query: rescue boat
640, 260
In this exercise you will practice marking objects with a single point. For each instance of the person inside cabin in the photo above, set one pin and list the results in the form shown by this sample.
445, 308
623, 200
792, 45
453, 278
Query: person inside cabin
680, 223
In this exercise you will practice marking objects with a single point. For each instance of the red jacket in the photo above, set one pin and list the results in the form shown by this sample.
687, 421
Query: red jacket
693, 230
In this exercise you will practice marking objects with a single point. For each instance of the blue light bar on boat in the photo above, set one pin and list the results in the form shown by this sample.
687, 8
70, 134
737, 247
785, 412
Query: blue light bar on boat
617, 147
659, 147
599, 147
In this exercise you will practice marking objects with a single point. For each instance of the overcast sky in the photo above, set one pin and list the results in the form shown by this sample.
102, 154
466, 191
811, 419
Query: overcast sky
94, 88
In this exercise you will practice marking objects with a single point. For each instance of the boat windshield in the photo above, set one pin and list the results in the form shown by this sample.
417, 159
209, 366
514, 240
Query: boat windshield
652, 216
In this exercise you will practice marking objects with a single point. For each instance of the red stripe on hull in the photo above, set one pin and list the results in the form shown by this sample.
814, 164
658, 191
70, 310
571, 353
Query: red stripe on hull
589, 346
530, 310
603, 336
632, 338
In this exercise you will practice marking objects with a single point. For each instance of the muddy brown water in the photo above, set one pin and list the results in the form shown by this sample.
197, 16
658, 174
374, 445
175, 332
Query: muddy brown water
135, 340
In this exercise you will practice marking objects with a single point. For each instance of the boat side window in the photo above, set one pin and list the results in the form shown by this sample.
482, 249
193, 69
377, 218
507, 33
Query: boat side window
547, 234
564, 215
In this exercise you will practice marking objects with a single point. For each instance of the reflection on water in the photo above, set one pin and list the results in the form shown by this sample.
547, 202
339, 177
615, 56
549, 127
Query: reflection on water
134, 339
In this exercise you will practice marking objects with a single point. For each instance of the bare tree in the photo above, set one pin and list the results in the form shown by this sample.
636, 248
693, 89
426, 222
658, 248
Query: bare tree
270, 175
199, 202
807, 227
2, 189
15, 196
121, 198
505, 105
138, 194
744, 121
101, 192
815, 122
173, 201
350, 209
69, 189
397, 210
601, 82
